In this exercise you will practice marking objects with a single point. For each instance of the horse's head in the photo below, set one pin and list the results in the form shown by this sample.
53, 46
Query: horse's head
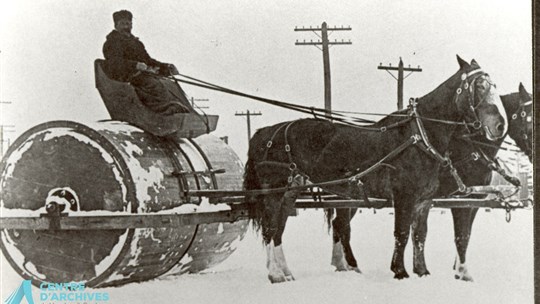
478, 101
519, 110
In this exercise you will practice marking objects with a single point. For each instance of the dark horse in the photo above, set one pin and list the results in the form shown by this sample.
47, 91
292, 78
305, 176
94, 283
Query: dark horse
403, 164
471, 161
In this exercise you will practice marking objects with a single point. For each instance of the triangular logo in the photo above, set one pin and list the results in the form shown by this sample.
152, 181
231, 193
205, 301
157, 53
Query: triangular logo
23, 291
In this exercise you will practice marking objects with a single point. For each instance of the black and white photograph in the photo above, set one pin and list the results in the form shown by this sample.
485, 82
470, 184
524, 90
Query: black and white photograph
248, 151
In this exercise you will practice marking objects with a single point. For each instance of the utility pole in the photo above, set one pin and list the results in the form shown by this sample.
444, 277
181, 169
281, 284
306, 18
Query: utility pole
325, 43
400, 78
196, 106
248, 114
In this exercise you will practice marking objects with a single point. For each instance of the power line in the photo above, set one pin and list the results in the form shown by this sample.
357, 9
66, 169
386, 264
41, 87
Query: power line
325, 43
400, 78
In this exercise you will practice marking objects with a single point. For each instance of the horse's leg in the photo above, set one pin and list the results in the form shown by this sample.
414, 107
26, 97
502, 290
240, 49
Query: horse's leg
270, 225
286, 207
419, 229
463, 220
402, 225
342, 255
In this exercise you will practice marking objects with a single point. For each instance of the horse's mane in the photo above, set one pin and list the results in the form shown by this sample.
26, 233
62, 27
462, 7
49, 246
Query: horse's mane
443, 88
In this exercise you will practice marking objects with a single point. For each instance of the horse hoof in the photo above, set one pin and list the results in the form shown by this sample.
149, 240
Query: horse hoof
462, 274
277, 279
401, 275
348, 268
425, 274
466, 278
290, 278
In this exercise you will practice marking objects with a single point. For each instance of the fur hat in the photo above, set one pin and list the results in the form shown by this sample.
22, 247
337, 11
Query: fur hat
123, 14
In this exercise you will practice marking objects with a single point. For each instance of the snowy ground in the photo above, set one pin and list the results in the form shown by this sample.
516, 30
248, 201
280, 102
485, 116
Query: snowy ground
500, 260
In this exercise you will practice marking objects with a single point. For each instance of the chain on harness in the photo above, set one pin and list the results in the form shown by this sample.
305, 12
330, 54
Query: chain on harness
508, 204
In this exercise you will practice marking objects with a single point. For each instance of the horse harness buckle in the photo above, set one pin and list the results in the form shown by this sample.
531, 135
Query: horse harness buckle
416, 138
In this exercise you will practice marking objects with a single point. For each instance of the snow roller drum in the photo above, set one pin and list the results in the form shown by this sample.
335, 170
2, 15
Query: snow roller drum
113, 167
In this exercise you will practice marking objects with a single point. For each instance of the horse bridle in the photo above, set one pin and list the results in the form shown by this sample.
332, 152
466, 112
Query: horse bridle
492, 164
421, 136
478, 73
522, 114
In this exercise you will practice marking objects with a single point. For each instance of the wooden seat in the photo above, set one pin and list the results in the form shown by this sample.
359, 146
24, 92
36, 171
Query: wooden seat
123, 104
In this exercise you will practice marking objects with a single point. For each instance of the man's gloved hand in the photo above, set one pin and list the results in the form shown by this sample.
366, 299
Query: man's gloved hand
141, 66
153, 70
173, 70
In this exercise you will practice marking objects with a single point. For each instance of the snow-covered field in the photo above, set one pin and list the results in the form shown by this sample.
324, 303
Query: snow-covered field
500, 259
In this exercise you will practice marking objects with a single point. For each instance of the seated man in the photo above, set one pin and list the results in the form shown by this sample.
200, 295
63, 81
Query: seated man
126, 60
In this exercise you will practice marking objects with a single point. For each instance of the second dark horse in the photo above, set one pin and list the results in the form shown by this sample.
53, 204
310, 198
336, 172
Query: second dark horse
408, 148
471, 158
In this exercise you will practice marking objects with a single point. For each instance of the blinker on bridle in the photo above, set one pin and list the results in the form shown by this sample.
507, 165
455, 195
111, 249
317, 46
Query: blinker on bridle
521, 113
478, 73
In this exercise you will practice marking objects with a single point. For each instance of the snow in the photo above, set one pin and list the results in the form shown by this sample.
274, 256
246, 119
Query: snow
108, 260
500, 259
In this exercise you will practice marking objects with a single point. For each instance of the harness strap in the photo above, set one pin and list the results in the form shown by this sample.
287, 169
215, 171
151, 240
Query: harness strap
470, 88
291, 165
474, 156
480, 155
495, 166
411, 141
353, 179
396, 124
426, 146
270, 142
273, 164
488, 145
287, 146
419, 128
477, 122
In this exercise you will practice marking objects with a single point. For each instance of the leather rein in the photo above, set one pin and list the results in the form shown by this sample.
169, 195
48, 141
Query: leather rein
419, 138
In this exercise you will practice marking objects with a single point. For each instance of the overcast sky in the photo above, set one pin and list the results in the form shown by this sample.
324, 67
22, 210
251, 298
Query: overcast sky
48, 48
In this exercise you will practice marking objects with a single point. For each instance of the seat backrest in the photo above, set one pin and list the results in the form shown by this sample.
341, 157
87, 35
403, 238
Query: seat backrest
123, 104
115, 94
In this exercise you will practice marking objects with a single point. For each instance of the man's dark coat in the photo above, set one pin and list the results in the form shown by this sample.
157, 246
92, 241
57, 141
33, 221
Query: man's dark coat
122, 52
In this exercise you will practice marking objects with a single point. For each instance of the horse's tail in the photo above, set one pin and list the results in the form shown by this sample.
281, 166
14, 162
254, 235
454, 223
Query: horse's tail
329, 215
251, 182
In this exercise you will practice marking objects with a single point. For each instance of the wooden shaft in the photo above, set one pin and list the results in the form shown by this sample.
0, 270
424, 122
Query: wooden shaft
237, 212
